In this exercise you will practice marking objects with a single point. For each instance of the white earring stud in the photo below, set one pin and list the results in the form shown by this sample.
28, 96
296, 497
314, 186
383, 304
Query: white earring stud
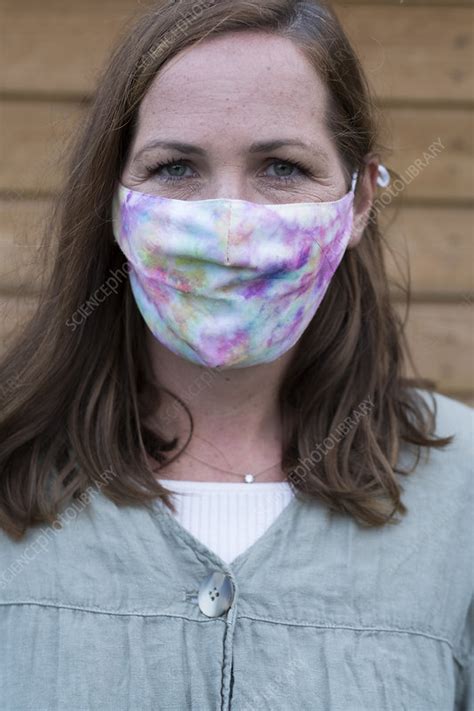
384, 178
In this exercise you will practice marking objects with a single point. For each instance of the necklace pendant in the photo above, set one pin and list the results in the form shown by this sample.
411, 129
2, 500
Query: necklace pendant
249, 478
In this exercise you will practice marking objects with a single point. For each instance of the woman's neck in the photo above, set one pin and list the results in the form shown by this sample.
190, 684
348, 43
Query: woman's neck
237, 424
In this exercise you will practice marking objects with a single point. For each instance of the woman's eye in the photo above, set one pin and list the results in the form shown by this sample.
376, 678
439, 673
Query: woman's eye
169, 166
285, 165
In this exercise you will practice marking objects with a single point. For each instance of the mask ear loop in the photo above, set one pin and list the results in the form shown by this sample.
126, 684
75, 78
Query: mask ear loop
355, 176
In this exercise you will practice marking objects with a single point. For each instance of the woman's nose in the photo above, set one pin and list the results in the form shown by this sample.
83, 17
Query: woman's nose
229, 185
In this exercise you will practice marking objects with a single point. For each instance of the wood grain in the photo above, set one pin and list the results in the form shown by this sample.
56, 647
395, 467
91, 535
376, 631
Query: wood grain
441, 337
34, 143
432, 152
436, 245
414, 53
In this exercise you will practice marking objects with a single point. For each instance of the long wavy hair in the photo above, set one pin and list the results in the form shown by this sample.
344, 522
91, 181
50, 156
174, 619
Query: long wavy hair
76, 399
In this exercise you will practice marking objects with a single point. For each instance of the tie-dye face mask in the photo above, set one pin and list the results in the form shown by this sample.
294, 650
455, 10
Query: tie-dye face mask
229, 283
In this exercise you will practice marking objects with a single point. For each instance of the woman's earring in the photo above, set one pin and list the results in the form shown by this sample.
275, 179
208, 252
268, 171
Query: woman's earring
384, 178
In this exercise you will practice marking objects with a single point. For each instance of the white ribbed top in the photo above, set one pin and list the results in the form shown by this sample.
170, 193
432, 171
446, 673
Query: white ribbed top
228, 516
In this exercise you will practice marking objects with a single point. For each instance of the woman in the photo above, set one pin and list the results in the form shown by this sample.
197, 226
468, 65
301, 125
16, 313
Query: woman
224, 332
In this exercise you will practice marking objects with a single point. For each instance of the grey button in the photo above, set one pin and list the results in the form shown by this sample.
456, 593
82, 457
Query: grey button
216, 593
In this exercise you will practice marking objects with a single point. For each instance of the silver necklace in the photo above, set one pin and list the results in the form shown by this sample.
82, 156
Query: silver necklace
248, 478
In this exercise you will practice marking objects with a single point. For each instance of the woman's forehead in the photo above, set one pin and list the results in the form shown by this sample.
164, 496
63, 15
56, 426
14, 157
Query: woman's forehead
237, 79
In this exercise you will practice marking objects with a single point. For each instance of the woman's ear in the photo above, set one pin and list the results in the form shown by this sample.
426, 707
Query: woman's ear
364, 198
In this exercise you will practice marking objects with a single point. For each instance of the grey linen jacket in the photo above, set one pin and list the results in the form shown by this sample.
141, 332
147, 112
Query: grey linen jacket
326, 615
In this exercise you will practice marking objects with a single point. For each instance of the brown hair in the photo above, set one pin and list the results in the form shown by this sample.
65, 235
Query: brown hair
81, 395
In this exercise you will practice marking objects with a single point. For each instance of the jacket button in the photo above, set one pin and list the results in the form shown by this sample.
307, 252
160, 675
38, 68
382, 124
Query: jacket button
215, 595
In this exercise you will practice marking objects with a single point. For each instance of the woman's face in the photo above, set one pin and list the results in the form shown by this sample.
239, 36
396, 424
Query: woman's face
249, 114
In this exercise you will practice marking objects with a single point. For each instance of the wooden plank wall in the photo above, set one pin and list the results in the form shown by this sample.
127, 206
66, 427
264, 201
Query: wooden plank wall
419, 59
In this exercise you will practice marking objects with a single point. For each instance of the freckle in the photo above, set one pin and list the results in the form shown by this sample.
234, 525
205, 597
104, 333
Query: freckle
458, 144
457, 74
461, 41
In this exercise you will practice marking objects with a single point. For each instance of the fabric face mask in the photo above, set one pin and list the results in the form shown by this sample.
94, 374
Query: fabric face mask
229, 283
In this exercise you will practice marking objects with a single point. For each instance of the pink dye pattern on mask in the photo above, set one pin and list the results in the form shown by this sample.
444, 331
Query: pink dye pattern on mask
225, 282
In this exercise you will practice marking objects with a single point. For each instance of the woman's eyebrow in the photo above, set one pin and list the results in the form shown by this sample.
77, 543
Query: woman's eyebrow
175, 145
267, 146
257, 147
262, 146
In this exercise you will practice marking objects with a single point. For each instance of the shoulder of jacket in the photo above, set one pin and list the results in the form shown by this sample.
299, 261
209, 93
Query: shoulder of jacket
45, 547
